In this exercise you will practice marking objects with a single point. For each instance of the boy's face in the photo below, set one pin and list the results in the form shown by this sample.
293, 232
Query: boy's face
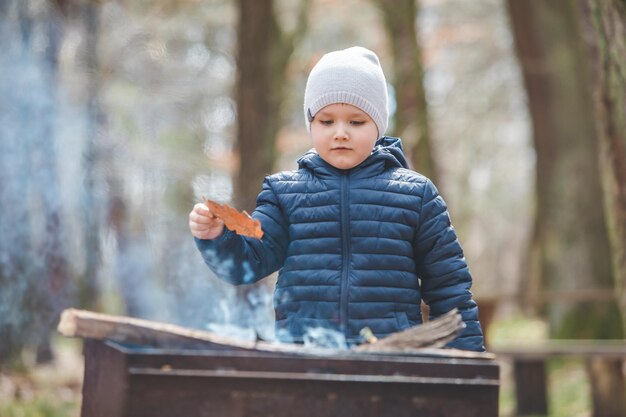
343, 135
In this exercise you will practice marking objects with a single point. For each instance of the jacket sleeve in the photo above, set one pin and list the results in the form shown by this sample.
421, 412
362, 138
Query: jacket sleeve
242, 260
443, 271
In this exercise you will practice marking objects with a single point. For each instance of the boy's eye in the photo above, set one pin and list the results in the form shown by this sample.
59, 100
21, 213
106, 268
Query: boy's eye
357, 122
326, 122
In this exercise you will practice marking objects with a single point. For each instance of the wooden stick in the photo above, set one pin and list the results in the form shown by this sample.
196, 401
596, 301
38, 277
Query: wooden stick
433, 334
127, 330
422, 339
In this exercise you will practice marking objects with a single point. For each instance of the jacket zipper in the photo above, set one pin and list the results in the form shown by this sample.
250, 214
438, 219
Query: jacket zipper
345, 239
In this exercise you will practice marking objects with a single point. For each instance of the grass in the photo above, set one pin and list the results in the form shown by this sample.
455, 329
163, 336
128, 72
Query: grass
568, 390
51, 390
569, 393
43, 405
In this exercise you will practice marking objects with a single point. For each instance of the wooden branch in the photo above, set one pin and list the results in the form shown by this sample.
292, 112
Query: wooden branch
424, 339
433, 334
127, 330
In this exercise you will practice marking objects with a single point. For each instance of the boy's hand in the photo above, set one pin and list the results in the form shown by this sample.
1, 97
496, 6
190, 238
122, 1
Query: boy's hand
203, 224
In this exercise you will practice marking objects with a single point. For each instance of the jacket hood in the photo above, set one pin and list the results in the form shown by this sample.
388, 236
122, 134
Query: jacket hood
392, 149
387, 153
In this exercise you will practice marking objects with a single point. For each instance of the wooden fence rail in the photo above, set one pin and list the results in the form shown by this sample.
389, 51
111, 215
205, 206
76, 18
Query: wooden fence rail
529, 366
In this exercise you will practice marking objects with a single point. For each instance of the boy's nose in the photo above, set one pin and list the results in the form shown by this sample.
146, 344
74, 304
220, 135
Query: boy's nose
341, 132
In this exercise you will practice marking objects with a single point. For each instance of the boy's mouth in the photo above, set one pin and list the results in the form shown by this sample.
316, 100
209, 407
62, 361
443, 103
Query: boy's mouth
340, 148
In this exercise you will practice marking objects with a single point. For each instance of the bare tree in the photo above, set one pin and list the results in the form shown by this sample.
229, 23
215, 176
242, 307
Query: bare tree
88, 290
264, 49
16, 271
54, 283
605, 27
411, 117
574, 285
604, 24
35, 267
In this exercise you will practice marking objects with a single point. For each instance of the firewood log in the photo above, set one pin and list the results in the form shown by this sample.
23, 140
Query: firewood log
128, 330
433, 334
423, 339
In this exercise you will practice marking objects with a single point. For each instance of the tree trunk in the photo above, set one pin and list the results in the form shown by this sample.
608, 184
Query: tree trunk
134, 267
605, 29
607, 387
89, 293
256, 102
54, 283
264, 50
34, 265
18, 274
411, 117
604, 24
571, 236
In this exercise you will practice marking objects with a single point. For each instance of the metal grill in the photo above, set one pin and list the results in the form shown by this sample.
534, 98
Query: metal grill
125, 381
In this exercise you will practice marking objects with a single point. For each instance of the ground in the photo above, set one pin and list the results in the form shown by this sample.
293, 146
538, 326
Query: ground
51, 390
54, 390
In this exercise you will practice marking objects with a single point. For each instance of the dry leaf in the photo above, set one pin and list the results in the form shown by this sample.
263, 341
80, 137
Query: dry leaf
240, 223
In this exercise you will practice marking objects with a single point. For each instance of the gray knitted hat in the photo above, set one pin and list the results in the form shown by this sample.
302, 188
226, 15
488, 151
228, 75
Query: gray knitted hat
351, 76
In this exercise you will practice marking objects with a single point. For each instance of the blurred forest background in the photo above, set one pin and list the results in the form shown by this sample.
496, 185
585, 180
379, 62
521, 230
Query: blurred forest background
117, 115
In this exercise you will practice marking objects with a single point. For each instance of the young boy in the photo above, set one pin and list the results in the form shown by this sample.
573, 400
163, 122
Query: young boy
357, 237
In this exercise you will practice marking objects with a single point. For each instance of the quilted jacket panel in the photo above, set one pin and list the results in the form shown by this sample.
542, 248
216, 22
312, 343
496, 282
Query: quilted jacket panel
354, 248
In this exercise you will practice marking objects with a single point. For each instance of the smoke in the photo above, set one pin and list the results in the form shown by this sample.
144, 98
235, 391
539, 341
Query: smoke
28, 181
148, 265
216, 187
134, 169
319, 337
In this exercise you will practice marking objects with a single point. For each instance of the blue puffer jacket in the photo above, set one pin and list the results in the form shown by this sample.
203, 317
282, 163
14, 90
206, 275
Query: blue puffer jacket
354, 248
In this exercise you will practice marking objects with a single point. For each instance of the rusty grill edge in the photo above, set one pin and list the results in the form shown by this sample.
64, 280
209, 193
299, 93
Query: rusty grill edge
126, 382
